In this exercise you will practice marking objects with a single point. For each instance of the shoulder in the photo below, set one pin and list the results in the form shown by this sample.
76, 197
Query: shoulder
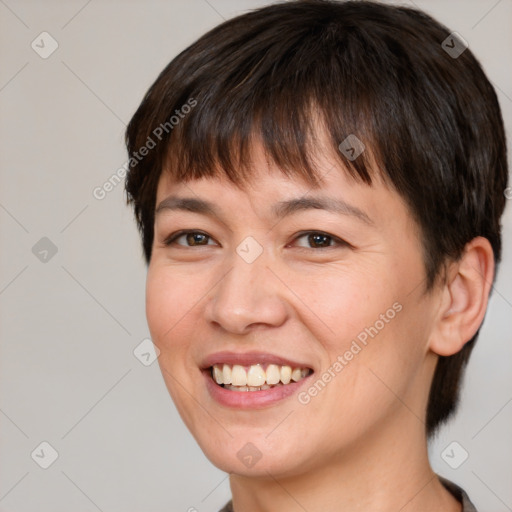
228, 507
458, 492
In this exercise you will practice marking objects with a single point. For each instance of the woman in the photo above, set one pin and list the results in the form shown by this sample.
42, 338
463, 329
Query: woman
318, 187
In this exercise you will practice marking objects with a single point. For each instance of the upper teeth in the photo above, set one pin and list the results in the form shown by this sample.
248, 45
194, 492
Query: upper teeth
256, 375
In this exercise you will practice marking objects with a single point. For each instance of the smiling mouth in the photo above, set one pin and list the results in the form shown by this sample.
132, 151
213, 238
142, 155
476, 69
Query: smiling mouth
256, 377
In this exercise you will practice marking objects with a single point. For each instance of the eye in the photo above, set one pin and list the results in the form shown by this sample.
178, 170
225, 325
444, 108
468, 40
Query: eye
320, 240
311, 239
192, 238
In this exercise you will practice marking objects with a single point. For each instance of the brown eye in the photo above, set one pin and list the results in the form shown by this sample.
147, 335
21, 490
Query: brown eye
192, 238
196, 238
319, 240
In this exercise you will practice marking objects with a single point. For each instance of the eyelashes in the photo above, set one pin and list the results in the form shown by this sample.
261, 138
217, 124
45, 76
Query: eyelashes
319, 237
317, 240
190, 235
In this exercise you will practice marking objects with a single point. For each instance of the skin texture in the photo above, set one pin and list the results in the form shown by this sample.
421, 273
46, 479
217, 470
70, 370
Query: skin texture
360, 443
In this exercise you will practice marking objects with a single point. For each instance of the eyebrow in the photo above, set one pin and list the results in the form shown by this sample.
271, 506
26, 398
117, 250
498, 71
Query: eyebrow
280, 210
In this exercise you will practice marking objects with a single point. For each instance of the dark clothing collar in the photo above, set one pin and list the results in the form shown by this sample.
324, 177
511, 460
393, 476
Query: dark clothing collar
459, 494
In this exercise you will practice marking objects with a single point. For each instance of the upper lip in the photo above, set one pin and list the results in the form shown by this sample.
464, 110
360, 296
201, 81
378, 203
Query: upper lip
248, 359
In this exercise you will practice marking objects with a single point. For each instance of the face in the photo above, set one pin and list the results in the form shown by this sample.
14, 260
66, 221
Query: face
306, 304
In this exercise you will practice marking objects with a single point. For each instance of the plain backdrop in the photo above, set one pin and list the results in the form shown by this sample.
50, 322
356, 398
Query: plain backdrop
72, 274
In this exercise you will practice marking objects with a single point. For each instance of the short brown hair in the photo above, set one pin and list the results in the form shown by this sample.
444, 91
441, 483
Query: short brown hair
429, 118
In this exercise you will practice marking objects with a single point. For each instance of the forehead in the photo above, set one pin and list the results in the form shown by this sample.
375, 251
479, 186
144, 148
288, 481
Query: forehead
270, 191
259, 175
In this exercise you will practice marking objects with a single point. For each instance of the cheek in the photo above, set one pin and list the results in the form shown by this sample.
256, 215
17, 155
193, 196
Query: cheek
172, 304
338, 305
378, 306
368, 328
160, 304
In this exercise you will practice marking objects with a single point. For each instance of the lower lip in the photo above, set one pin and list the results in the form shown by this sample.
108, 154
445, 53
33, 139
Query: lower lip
250, 399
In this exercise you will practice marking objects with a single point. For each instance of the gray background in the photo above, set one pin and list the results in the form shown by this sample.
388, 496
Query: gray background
69, 324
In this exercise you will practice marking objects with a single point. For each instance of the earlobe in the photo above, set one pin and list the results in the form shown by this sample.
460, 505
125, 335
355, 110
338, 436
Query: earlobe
464, 298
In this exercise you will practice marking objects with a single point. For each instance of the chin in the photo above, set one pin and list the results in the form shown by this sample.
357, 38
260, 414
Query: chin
254, 457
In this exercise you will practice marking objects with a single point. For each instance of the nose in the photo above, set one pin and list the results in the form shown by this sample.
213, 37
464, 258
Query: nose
248, 296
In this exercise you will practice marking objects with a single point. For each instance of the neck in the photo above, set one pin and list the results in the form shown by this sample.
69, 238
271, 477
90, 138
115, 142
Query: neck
389, 472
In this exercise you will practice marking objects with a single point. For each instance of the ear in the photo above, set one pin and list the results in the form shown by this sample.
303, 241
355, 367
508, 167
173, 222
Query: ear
464, 298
